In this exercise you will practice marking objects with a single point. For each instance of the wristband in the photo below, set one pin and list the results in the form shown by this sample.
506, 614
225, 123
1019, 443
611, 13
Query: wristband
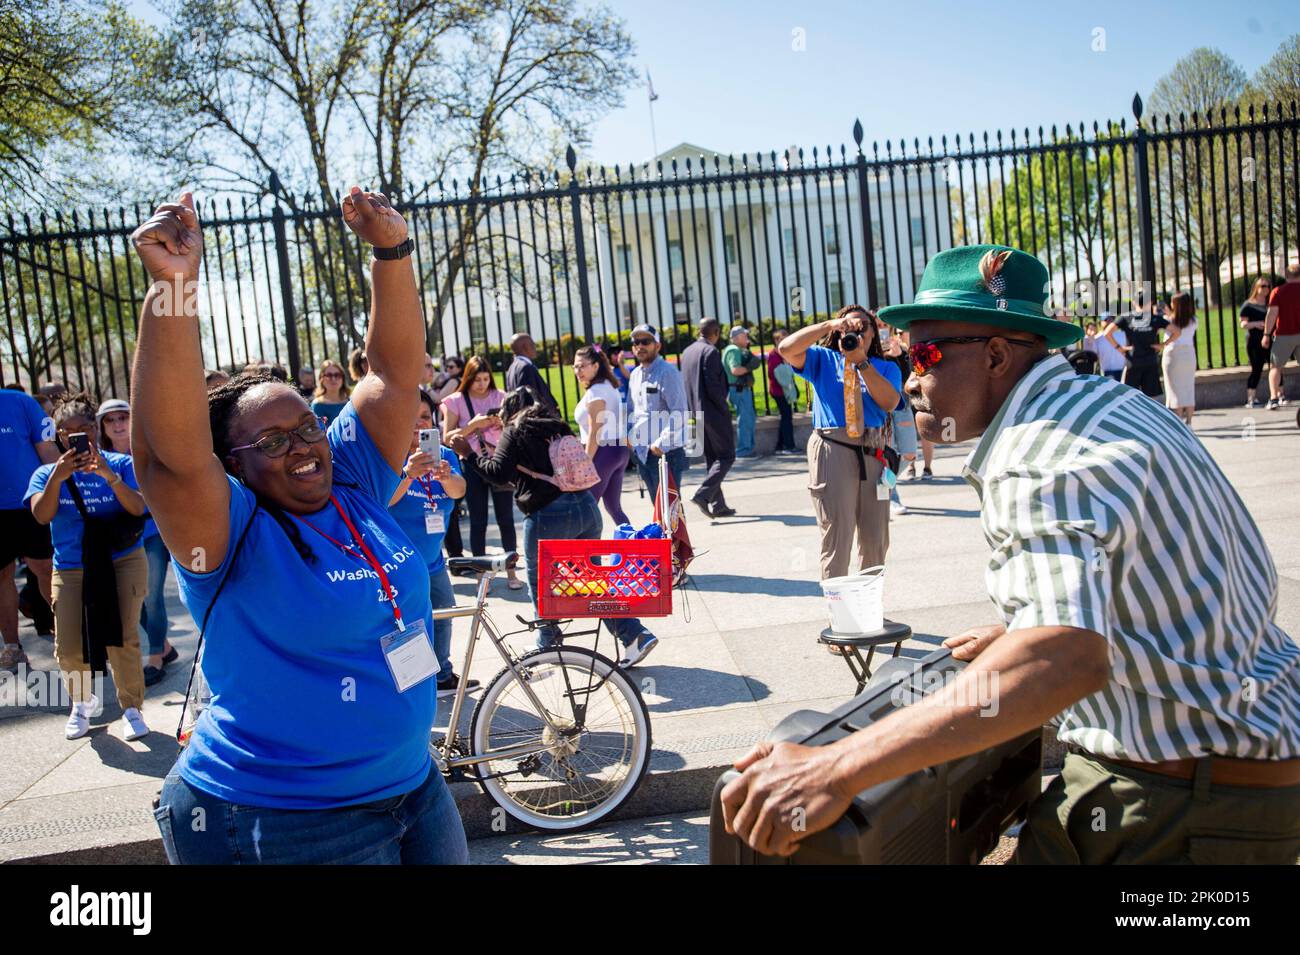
396, 252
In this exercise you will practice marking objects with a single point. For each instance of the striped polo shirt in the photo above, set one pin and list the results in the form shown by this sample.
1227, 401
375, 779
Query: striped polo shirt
1105, 512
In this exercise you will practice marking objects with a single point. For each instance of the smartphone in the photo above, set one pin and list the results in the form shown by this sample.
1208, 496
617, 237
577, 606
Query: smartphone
79, 442
430, 444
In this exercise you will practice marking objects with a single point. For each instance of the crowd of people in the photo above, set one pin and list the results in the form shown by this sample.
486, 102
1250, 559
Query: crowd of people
308, 522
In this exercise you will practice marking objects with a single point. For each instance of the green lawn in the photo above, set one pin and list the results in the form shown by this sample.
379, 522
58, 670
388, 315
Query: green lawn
563, 382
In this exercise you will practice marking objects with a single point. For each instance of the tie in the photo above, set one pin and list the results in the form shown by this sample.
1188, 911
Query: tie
852, 402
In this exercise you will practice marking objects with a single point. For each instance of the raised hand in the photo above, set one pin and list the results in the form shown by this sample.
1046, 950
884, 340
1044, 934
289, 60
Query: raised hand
170, 242
372, 217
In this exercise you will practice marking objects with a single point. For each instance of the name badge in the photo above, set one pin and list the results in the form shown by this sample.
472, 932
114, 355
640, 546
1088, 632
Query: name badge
433, 521
409, 655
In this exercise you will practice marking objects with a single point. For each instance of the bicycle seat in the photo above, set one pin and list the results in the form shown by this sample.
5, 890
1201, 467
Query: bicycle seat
485, 564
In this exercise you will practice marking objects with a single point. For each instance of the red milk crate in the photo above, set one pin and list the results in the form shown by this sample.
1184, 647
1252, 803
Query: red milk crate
633, 578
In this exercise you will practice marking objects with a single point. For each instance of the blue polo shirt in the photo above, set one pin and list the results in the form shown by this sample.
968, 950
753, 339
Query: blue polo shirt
409, 511
305, 713
67, 528
22, 427
824, 370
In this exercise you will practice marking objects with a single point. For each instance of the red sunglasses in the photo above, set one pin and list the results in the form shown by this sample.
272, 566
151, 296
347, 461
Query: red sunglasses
925, 355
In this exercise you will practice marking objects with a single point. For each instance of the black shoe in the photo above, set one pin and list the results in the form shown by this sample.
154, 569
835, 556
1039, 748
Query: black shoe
170, 656
449, 686
723, 512
153, 675
702, 505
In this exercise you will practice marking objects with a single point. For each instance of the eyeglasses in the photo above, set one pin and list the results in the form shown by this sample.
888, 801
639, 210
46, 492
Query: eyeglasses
925, 355
276, 444
332, 374
642, 342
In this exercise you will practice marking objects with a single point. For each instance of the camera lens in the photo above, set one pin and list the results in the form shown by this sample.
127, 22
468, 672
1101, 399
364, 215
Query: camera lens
849, 341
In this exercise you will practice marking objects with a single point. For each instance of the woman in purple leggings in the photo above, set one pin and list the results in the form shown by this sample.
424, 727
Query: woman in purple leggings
601, 422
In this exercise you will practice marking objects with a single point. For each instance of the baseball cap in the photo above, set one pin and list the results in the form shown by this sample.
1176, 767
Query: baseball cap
736, 330
646, 330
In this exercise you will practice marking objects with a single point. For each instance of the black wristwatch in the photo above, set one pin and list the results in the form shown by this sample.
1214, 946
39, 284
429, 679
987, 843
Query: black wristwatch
396, 252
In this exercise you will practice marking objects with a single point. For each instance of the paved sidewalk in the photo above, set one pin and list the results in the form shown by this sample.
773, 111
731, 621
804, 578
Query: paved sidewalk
738, 654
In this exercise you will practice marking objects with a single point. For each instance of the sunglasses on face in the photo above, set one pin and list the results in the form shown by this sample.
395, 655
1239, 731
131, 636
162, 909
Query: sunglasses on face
276, 444
642, 342
925, 355
331, 374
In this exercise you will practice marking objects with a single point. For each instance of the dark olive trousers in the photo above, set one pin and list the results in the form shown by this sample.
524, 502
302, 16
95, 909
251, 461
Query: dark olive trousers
1099, 813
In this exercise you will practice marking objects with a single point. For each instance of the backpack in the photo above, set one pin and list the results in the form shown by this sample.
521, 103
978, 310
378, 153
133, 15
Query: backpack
572, 468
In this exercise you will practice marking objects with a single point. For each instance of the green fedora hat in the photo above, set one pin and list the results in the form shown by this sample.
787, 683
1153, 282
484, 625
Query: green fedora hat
988, 284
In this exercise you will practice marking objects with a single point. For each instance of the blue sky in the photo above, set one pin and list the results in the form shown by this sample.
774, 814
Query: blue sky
729, 80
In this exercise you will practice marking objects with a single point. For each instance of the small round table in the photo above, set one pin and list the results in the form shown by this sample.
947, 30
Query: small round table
851, 645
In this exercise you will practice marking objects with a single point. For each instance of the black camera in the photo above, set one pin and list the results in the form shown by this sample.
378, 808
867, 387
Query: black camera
850, 341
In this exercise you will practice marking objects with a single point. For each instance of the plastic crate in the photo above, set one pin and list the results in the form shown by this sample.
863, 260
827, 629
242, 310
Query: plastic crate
633, 578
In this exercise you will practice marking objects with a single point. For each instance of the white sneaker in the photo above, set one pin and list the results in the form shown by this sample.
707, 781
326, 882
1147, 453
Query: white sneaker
897, 507
136, 727
79, 719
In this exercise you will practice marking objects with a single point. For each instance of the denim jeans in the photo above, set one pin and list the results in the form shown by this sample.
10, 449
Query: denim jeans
153, 614
649, 469
742, 399
441, 597
571, 516
421, 827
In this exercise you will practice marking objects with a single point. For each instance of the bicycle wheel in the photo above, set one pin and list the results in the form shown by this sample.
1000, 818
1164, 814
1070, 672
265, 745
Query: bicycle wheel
591, 765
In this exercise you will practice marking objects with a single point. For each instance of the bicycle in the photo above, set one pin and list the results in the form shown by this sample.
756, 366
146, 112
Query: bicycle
560, 737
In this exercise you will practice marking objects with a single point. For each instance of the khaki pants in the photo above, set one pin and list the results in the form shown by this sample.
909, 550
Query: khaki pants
1099, 813
845, 505
124, 661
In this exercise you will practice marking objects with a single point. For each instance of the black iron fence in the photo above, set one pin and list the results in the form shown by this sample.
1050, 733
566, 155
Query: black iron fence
1201, 203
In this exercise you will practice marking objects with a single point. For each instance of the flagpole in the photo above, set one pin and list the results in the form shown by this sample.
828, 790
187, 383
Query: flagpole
651, 96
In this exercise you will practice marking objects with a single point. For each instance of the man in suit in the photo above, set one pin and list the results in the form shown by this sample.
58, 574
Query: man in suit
706, 399
522, 371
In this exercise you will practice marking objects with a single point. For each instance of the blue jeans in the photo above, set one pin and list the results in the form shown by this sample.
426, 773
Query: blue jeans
649, 469
153, 613
421, 827
571, 516
441, 597
742, 399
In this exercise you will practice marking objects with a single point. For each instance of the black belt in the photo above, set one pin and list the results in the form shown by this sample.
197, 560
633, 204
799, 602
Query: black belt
859, 448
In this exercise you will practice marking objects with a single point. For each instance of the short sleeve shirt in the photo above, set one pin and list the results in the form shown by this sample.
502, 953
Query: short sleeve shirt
305, 713
22, 427
1143, 331
421, 497
824, 370
67, 528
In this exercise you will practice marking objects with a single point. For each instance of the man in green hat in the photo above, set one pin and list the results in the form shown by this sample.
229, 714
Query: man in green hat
1136, 596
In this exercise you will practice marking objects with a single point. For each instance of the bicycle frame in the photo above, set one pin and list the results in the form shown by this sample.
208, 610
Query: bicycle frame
483, 623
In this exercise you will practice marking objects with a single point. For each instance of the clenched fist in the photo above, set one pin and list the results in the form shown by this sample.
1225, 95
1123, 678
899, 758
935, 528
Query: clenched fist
170, 242
372, 217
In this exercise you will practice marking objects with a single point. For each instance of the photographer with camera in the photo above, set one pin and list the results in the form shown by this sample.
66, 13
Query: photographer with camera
854, 389
90, 500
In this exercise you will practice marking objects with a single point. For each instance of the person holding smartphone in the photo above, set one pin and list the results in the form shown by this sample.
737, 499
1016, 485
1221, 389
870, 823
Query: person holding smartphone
86, 483
430, 486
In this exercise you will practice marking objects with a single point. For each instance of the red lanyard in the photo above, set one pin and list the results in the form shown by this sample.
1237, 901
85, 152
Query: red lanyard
369, 558
426, 482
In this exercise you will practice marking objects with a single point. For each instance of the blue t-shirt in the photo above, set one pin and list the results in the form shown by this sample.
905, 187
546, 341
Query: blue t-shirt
329, 410
22, 427
409, 511
100, 501
305, 713
824, 370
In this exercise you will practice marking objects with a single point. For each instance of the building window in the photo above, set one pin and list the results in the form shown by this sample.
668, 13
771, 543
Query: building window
564, 321
520, 321
477, 329
830, 240
629, 313
918, 232
623, 259
729, 243
737, 316
837, 294
675, 254
790, 242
